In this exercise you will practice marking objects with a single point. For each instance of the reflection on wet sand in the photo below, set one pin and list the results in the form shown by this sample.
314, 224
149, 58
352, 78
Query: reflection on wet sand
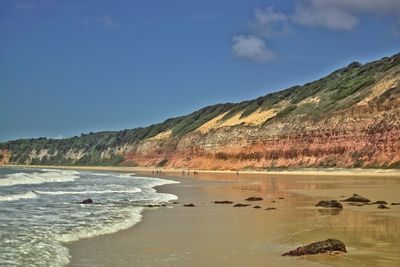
372, 239
219, 235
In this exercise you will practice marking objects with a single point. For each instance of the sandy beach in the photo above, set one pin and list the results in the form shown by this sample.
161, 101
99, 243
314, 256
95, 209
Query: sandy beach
221, 235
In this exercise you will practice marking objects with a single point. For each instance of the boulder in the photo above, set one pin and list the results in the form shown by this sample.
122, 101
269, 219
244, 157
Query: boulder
239, 205
326, 246
357, 198
254, 199
329, 204
380, 202
223, 202
87, 201
381, 206
191, 205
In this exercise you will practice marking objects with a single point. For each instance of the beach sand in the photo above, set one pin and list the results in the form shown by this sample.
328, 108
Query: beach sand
221, 235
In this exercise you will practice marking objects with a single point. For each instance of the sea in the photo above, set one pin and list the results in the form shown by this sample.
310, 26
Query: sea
40, 210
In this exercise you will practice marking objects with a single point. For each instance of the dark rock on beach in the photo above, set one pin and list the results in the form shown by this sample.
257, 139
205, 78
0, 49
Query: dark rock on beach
380, 202
395, 203
326, 246
357, 198
152, 206
281, 198
257, 207
223, 202
270, 208
239, 205
254, 199
329, 204
87, 201
191, 205
382, 206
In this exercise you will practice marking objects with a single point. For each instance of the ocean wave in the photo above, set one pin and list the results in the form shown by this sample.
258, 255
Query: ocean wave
133, 190
27, 195
153, 182
39, 178
43, 237
133, 217
112, 174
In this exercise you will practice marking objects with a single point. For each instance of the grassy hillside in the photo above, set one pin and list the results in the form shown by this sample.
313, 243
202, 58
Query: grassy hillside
314, 101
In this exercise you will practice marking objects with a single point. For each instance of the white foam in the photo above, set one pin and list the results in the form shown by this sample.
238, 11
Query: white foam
156, 181
27, 195
133, 190
134, 216
39, 178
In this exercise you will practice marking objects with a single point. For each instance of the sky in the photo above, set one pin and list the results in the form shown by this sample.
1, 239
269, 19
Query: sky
71, 67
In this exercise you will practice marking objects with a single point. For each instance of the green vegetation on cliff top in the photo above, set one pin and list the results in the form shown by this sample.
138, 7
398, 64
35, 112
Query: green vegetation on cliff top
339, 90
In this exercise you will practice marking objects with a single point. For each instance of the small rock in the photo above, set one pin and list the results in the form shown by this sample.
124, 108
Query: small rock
381, 206
152, 206
357, 198
175, 202
281, 198
395, 203
270, 208
273, 201
379, 202
327, 246
254, 199
239, 205
87, 201
223, 202
257, 207
329, 204
189, 205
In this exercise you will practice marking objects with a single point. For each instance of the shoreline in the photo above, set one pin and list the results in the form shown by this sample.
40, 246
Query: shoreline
294, 172
220, 235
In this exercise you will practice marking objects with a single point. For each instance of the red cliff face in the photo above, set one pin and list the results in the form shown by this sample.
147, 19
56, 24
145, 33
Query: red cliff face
335, 142
350, 118
366, 134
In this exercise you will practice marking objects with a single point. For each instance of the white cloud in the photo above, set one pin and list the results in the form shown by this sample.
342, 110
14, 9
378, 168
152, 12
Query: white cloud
25, 5
327, 17
340, 14
252, 48
106, 22
357, 6
268, 22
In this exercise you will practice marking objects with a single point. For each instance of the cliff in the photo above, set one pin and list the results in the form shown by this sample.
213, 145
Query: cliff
349, 118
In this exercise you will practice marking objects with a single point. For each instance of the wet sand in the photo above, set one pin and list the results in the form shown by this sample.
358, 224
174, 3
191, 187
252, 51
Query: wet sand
221, 235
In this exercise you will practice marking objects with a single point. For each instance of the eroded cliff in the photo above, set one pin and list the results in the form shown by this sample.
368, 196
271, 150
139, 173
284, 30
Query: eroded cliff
349, 118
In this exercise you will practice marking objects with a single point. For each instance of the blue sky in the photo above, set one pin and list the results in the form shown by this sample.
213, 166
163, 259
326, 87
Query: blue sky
68, 67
